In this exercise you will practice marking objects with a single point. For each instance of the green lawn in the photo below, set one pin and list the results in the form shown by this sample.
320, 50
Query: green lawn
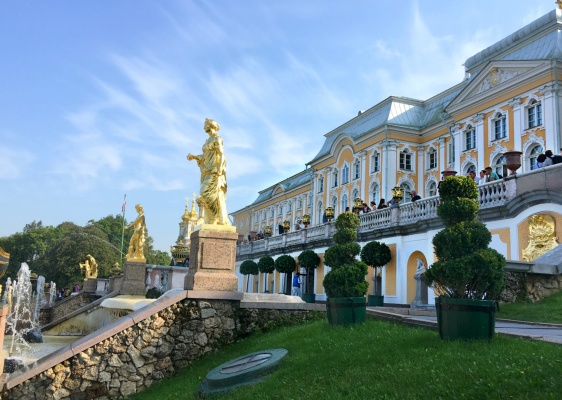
380, 360
547, 310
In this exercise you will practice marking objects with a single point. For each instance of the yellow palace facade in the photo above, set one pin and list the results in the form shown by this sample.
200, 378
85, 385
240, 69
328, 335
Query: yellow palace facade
508, 100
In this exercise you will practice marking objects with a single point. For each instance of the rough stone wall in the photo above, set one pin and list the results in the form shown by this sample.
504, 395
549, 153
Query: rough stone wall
520, 286
67, 305
153, 349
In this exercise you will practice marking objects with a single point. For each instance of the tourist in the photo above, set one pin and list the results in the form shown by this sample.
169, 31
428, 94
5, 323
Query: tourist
491, 175
415, 196
551, 158
482, 177
540, 161
324, 218
472, 176
382, 204
347, 209
366, 208
373, 206
298, 225
296, 285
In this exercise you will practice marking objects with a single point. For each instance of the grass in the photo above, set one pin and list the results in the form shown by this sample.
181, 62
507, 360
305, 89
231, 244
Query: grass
546, 310
383, 361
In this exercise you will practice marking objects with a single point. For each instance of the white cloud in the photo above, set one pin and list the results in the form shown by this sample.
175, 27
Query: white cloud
14, 161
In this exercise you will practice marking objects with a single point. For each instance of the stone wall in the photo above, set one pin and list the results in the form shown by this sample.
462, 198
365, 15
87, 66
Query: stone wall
520, 286
62, 308
132, 359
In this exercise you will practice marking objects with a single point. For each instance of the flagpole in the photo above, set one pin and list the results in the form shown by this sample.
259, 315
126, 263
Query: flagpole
123, 227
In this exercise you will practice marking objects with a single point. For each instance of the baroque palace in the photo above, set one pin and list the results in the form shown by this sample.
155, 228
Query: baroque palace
509, 100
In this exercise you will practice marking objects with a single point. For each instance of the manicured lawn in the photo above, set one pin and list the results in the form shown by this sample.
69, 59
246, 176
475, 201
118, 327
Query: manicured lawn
380, 360
547, 310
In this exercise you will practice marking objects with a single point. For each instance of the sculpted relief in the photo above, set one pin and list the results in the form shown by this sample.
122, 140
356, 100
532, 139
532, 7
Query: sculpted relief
542, 236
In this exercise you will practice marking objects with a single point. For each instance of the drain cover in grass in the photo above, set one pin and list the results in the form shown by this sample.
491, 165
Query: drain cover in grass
244, 370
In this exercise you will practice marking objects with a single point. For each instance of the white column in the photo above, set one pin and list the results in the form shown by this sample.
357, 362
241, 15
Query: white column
442, 158
390, 168
457, 137
363, 177
518, 123
421, 171
549, 118
480, 141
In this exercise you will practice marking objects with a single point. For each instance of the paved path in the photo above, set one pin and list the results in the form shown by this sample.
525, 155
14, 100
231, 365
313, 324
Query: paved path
538, 331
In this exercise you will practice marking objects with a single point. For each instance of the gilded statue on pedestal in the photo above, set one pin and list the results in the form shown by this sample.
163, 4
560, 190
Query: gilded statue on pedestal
136, 245
542, 237
89, 267
212, 164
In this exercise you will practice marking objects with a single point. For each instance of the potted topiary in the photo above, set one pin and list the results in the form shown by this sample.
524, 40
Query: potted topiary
345, 284
467, 274
248, 267
286, 264
266, 266
309, 260
377, 255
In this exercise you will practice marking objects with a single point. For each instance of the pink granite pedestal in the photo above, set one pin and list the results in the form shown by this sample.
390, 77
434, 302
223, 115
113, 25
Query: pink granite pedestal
212, 260
134, 278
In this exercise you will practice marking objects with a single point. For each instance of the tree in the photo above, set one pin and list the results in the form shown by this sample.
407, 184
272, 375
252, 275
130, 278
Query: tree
375, 254
309, 260
266, 266
248, 267
286, 264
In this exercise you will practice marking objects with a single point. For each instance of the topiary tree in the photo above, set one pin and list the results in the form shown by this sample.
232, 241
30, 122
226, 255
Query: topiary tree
266, 266
286, 264
248, 267
375, 254
309, 260
466, 268
347, 275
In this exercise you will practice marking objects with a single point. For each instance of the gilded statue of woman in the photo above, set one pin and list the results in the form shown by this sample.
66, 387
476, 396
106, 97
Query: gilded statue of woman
136, 245
213, 176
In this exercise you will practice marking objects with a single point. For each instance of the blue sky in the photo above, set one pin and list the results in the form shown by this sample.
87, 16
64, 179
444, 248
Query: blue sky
104, 98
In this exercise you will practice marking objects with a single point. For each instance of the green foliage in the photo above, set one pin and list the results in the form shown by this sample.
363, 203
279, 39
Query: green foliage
376, 254
466, 267
249, 267
347, 275
285, 264
308, 259
266, 265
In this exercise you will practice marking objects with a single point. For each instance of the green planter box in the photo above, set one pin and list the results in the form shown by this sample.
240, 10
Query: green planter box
465, 319
375, 300
346, 310
309, 297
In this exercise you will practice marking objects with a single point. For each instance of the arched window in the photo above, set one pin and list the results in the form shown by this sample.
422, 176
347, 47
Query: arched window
320, 212
406, 197
335, 205
375, 193
355, 194
471, 168
533, 154
499, 166
345, 174
344, 202
432, 189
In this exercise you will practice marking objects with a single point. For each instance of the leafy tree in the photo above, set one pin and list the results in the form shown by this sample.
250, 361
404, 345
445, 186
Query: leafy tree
375, 254
266, 266
286, 264
347, 275
248, 267
309, 260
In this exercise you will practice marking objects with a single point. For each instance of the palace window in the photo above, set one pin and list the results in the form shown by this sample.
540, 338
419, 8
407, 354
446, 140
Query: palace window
500, 126
272, 213
406, 193
432, 158
405, 160
375, 161
263, 216
451, 155
320, 210
335, 205
534, 114
345, 174
470, 138
290, 206
432, 189
499, 166
320, 184
299, 204
344, 202
471, 168
375, 193
335, 178
356, 169
533, 154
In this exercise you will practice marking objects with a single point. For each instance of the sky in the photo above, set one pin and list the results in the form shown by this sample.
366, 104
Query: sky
100, 99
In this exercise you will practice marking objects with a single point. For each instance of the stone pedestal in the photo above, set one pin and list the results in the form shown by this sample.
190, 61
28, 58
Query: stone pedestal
134, 277
212, 259
90, 285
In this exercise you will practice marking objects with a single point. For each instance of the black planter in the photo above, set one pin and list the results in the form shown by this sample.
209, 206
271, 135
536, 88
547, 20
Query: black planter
375, 300
465, 319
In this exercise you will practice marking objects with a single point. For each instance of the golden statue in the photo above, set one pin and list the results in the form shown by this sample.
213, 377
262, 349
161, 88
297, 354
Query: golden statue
136, 245
213, 177
89, 267
542, 237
